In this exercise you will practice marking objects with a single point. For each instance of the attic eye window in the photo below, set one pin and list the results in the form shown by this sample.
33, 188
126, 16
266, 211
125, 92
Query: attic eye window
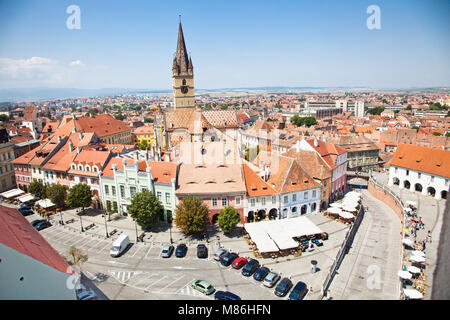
210, 182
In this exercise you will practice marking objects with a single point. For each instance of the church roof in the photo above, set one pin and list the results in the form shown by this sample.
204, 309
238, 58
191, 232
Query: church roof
181, 60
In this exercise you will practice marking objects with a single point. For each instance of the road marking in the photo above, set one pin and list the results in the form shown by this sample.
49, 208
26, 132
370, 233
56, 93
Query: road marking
94, 239
80, 241
100, 242
138, 248
135, 285
171, 284
108, 244
148, 251
152, 284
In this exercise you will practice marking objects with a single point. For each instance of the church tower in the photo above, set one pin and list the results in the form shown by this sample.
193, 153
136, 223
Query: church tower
182, 75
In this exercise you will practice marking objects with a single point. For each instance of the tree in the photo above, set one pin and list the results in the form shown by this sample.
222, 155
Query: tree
228, 219
38, 189
376, 110
77, 256
436, 133
80, 196
300, 121
57, 194
143, 145
447, 134
191, 215
146, 209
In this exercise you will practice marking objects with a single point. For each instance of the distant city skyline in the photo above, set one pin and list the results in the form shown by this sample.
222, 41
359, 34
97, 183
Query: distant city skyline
234, 44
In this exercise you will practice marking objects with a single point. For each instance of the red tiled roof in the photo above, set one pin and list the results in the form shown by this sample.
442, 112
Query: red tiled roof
423, 159
17, 233
255, 185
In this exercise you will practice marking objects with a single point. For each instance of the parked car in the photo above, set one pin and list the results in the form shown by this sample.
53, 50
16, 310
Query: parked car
35, 222
271, 279
283, 287
181, 250
25, 207
225, 295
219, 254
228, 258
202, 251
250, 267
317, 242
119, 245
261, 273
299, 291
202, 286
42, 225
239, 262
26, 212
167, 251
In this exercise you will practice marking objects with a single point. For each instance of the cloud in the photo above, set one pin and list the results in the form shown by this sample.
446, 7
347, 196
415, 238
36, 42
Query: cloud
76, 63
37, 71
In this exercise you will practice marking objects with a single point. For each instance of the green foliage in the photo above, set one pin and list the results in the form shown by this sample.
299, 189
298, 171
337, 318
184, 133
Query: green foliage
409, 107
143, 145
148, 120
146, 209
57, 194
80, 196
191, 215
4, 117
120, 116
437, 106
300, 121
228, 219
447, 134
376, 110
77, 256
436, 133
38, 189
92, 112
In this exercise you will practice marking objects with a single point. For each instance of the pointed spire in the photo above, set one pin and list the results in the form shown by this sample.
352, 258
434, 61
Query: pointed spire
181, 54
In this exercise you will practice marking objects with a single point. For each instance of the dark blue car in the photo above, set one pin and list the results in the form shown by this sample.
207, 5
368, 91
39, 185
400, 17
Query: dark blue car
24, 208
42, 225
299, 291
261, 273
225, 295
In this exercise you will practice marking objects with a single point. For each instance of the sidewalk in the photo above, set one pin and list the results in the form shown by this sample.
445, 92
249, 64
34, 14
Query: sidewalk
432, 212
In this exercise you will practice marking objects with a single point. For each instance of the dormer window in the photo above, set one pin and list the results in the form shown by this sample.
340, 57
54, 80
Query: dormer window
80, 167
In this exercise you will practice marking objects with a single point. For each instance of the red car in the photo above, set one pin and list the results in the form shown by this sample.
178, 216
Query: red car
239, 262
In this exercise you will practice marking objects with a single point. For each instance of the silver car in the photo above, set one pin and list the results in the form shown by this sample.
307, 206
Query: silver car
167, 251
271, 279
220, 253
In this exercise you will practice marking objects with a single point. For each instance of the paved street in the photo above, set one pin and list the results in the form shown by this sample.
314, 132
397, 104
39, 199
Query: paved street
369, 270
140, 273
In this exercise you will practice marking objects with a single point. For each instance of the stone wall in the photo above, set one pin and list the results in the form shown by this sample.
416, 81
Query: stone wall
383, 195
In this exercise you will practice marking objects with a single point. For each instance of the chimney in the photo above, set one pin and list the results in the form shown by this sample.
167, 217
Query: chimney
70, 146
59, 139
316, 143
297, 146
78, 150
167, 157
80, 135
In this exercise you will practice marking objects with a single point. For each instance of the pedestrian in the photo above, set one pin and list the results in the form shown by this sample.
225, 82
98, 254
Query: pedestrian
423, 246
429, 235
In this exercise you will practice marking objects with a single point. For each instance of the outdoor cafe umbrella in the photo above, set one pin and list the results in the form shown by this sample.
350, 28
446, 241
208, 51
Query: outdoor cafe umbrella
418, 253
413, 269
408, 242
404, 274
346, 215
349, 208
413, 294
336, 205
334, 210
417, 258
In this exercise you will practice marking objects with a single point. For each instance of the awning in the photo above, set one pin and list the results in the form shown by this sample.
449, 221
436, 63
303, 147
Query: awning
12, 193
25, 198
275, 235
45, 203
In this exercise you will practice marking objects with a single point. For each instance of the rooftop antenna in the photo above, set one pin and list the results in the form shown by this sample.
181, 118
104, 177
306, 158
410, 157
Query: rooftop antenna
179, 17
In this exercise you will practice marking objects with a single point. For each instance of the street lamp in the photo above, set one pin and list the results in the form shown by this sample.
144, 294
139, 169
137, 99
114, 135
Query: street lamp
60, 213
78, 211
135, 224
106, 227
170, 228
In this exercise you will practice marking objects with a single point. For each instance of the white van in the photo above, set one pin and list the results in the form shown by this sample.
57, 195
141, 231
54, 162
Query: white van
119, 245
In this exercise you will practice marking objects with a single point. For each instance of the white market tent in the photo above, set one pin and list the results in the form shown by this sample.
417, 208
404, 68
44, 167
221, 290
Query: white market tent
45, 203
275, 235
334, 210
408, 242
12, 193
25, 198
413, 269
413, 294
417, 258
404, 274
336, 205
346, 215
349, 208
418, 253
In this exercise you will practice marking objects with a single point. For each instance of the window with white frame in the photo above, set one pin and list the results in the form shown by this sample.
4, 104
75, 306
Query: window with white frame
224, 202
286, 199
314, 193
294, 197
252, 202
158, 194
106, 189
214, 202
237, 201
306, 195
274, 199
167, 197
263, 201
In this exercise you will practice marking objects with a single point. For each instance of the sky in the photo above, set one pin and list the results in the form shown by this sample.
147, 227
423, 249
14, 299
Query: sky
233, 43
